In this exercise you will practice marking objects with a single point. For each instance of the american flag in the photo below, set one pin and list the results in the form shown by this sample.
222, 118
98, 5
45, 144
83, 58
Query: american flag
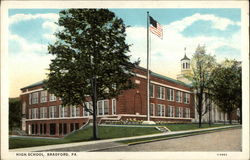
155, 27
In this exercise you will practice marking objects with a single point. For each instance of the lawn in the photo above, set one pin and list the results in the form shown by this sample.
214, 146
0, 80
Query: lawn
82, 135
105, 132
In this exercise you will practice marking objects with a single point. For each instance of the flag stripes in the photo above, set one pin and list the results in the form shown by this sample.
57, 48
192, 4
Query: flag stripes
156, 28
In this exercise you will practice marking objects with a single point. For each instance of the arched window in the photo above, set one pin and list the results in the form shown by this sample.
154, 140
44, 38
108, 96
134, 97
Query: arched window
183, 65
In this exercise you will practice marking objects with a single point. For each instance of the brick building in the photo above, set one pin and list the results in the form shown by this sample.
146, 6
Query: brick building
170, 101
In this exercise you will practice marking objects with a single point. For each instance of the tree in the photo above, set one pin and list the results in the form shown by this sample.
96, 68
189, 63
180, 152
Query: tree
14, 113
226, 87
201, 65
91, 60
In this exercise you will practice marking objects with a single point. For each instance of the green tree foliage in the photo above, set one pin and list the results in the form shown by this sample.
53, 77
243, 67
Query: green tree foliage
226, 87
202, 65
91, 58
14, 113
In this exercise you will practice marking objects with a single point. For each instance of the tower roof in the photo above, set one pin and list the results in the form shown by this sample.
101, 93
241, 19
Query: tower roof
185, 57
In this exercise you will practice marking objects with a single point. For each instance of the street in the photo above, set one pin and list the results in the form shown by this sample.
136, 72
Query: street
228, 140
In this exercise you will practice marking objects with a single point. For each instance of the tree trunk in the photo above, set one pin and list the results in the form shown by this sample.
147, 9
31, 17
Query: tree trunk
230, 117
94, 99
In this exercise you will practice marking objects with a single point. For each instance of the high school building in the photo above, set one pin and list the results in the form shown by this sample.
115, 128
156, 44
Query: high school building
170, 101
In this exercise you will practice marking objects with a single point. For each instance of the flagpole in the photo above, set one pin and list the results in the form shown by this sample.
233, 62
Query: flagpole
148, 114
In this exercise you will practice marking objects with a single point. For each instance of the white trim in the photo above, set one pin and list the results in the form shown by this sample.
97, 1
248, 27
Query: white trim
40, 89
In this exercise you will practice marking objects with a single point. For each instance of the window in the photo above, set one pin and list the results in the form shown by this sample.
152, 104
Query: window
113, 106
151, 90
52, 111
72, 111
160, 110
170, 111
30, 98
160, 92
34, 113
35, 98
89, 106
52, 97
178, 96
102, 107
170, 93
63, 111
178, 112
106, 108
52, 127
99, 108
152, 109
43, 96
186, 112
43, 112
77, 111
186, 98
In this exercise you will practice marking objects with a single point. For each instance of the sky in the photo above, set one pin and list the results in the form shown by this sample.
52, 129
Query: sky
31, 30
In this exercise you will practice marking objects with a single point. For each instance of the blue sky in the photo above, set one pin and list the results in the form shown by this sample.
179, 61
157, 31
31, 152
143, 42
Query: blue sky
31, 30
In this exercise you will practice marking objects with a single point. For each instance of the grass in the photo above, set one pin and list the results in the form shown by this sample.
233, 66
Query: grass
106, 132
182, 127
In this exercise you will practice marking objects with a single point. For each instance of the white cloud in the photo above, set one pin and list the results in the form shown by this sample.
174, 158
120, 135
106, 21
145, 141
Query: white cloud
218, 22
166, 53
28, 65
24, 17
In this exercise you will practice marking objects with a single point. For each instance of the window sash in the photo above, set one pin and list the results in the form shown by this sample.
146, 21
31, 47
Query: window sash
113, 106
170, 94
151, 90
43, 96
35, 98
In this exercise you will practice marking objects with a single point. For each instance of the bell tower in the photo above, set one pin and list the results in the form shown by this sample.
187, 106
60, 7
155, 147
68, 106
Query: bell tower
185, 68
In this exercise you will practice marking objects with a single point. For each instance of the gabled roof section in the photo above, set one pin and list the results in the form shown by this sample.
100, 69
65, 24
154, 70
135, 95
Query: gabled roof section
34, 85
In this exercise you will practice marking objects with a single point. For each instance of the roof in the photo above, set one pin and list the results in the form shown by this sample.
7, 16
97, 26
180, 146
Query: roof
166, 78
34, 85
185, 58
152, 73
170, 79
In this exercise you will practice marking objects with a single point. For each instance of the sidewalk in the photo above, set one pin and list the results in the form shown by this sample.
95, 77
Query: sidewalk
102, 144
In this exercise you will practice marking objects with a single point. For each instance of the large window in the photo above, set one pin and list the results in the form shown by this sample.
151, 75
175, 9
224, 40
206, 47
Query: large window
178, 96
152, 109
103, 107
35, 98
170, 111
89, 106
170, 94
186, 98
52, 111
43, 112
151, 90
52, 97
160, 110
160, 92
43, 96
